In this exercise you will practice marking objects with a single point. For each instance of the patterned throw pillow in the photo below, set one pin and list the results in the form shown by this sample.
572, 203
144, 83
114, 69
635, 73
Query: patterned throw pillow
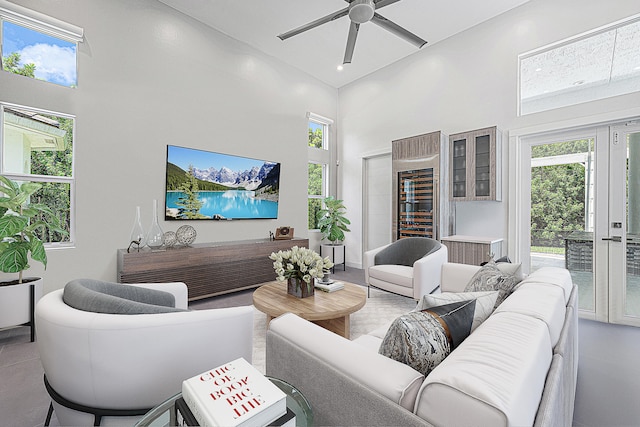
485, 303
423, 339
491, 278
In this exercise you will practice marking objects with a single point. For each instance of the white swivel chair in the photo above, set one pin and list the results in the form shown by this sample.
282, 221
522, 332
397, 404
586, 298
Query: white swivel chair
110, 369
410, 267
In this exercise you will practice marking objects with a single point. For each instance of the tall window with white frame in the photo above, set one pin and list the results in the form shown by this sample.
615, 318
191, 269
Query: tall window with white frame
37, 146
319, 159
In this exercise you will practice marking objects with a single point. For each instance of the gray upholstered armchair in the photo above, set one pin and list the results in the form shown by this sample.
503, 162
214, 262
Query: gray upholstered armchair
111, 352
410, 266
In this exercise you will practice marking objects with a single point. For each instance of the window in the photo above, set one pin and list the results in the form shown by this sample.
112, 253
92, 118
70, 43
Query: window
600, 64
319, 159
37, 146
37, 46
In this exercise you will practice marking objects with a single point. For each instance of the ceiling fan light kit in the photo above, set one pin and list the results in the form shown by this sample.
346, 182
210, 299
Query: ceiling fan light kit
360, 12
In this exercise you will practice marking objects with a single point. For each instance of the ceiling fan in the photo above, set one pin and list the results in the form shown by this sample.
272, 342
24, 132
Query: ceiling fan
360, 11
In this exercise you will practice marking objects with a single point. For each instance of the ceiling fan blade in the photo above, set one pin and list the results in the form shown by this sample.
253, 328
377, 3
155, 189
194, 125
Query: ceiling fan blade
383, 3
351, 42
316, 23
398, 30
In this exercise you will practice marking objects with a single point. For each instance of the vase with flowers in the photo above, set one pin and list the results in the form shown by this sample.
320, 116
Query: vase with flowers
299, 267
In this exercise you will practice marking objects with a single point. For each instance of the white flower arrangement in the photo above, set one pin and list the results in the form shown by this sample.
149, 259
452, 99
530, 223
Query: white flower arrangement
299, 263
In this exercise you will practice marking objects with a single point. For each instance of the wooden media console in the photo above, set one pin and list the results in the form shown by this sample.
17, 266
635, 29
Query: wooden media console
208, 269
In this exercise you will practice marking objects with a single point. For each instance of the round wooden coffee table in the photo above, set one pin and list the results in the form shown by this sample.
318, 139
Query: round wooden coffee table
330, 310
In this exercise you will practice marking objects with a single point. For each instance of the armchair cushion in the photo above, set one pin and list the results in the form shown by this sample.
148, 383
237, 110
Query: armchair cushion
398, 274
406, 251
113, 298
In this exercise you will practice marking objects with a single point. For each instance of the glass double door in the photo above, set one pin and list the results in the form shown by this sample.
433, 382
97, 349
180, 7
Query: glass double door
584, 215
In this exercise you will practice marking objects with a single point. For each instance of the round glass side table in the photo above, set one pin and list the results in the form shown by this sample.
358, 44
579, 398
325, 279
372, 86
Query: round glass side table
164, 415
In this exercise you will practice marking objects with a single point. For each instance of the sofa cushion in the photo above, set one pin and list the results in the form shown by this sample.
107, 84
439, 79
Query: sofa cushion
395, 381
485, 302
114, 298
553, 276
422, 339
491, 278
497, 375
398, 274
539, 301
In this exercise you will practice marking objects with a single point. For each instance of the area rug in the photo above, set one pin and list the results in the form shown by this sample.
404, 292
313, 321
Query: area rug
380, 309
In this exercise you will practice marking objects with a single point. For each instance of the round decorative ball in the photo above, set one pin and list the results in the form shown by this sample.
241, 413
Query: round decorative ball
186, 235
170, 238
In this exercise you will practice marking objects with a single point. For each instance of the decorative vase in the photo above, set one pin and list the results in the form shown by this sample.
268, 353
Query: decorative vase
299, 288
155, 237
137, 233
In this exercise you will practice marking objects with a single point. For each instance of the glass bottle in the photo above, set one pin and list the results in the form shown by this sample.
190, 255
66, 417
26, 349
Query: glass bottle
155, 237
137, 233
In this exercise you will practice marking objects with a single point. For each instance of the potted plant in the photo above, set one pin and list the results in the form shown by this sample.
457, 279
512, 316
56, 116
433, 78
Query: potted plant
19, 222
333, 224
299, 267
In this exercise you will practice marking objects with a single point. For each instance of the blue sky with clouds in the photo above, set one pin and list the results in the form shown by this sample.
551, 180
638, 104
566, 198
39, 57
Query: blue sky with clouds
200, 159
55, 59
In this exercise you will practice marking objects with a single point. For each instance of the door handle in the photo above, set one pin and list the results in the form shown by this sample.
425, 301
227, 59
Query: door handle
613, 238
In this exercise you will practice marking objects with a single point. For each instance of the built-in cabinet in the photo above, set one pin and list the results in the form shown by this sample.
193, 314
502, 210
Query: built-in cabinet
475, 165
420, 201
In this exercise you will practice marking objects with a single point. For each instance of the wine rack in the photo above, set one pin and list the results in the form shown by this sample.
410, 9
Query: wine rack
416, 202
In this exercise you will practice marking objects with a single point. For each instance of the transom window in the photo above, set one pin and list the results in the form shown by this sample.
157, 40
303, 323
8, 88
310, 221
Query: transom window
38, 46
596, 65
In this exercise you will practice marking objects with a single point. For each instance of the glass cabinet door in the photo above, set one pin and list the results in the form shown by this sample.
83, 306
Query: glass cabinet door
416, 202
459, 177
483, 166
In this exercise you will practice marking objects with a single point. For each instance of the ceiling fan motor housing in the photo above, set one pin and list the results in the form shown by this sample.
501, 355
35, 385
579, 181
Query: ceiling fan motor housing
361, 11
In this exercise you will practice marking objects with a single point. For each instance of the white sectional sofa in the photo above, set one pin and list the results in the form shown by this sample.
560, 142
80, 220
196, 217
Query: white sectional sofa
518, 368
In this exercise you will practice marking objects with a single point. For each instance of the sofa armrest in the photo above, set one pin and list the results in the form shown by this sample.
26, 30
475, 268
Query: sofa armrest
346, 383
369, 261
455, 276
427, 272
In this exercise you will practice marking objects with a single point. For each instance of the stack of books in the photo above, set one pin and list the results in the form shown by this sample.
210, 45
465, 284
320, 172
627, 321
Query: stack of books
329, 286
235, 394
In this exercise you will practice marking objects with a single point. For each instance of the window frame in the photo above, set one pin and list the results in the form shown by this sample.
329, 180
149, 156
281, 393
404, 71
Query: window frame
631, 20
321, 156
40, 22
70, 180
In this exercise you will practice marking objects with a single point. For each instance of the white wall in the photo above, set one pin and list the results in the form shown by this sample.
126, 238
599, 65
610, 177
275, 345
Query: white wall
466, 82
150, 76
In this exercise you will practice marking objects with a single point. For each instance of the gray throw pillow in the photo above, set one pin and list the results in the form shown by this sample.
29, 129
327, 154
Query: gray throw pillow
423, 339
491, 278
485, 303
114, 298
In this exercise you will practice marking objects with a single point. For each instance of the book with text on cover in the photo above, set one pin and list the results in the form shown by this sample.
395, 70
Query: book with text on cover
234, 394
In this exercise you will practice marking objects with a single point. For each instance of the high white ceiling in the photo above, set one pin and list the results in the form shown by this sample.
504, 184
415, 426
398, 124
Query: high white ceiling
319, 51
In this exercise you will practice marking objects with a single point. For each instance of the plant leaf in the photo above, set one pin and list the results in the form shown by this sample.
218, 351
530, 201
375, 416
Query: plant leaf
37, 251
10, 225
14, 259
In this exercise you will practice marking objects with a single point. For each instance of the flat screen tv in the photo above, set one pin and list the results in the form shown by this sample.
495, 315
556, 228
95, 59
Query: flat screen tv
205, 185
